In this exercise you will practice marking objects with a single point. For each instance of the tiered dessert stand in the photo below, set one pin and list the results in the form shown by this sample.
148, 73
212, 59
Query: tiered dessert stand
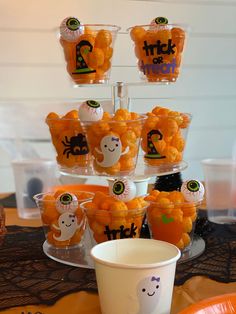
79, 256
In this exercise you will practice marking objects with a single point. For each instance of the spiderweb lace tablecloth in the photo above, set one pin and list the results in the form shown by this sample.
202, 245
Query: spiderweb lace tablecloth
218, 261
28, 276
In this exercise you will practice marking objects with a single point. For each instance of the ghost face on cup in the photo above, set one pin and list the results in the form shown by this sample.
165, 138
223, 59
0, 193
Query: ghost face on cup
67, 225
148, 292
111, 149
66, 205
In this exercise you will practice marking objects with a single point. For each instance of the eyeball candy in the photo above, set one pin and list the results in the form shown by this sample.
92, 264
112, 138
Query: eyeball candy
70, 29
159, 21
123, 190
193, 190
66, 202
90, 110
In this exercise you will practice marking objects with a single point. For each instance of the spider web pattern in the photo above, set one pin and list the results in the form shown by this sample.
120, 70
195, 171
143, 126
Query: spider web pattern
28, 276
218, 261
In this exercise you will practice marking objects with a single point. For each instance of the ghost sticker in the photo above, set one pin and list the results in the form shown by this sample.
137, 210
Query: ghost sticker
67, 225
111, 149
148, 292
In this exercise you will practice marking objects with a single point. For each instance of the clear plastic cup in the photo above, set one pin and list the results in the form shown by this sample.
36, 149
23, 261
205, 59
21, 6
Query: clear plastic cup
220, 184
70, 143
88, 52
164, 137
173, 222
114, 144
159, 50
106, 225
32, 176
64, 221
135, 275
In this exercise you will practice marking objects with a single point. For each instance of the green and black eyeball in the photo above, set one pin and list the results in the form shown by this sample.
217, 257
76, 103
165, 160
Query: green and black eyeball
66, 202
90, 110
123, 189
93, 103
160, 20
193, 190
71, 29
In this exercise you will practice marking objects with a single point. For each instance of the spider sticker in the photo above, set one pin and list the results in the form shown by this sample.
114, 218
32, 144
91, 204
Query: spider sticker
76, 145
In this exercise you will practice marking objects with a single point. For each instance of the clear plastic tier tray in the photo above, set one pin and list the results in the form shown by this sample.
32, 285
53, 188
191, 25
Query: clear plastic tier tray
142, 171
79, 256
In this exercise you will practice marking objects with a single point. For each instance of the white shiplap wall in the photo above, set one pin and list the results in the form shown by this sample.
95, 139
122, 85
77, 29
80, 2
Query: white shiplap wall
33, 79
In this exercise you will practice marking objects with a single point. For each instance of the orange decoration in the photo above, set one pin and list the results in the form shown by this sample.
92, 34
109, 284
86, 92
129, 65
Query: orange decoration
163, 136
69, 140
158, 50
50, 215
170, 217
114, 142
89, 57
110, 219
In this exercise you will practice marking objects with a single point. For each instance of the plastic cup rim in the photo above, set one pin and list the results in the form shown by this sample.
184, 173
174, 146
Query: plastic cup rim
197, 204
184, 26
33, 161
140, 118
219, 162
136, 266
116, 28
38, 197
138, 210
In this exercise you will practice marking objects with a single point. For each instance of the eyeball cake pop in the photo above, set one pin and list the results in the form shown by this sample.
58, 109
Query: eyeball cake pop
90, 110
66, 202
123, 189
193, 190
70, 29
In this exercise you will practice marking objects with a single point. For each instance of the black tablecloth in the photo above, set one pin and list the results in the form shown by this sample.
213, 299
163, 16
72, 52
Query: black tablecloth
28, 276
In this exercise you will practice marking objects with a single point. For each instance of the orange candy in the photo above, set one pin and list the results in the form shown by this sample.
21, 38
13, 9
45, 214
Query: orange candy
51, 219
103, 39
171, 217
88, 59
163, 137
96, 58
155, 63
114, 142
68, 139
111, 219
137, 33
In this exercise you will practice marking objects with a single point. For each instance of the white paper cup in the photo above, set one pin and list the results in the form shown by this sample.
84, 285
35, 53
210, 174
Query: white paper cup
32, 176
220, 183
135, 275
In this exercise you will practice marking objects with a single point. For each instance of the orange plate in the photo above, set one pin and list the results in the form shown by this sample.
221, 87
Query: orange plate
82, 187
222, 304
